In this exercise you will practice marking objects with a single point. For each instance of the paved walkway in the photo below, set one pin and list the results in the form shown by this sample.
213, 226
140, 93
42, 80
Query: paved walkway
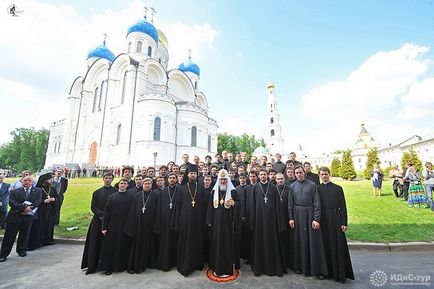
58, 267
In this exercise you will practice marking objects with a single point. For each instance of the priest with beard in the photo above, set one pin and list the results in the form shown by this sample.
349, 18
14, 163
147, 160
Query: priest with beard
42, 231
189, 222
223, 252
333, 227
139, 226
95, 237
116, 245
265, 221
168, 237
304, 209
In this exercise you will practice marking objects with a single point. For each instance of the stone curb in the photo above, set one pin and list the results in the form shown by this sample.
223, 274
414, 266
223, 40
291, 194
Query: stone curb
381, 247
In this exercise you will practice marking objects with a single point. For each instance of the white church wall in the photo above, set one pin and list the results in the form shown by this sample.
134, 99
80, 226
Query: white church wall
180, 87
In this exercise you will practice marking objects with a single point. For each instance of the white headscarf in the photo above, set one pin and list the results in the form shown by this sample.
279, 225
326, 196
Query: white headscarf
223, 174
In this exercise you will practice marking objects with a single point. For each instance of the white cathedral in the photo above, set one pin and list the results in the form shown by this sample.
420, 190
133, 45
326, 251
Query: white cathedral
128, 107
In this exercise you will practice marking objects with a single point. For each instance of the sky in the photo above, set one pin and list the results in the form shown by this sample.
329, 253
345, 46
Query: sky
336, 64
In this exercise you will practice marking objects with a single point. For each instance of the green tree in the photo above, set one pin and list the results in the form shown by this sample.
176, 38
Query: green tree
373, 160
26, 151
236, 144
347, 171
411, 157
335, 167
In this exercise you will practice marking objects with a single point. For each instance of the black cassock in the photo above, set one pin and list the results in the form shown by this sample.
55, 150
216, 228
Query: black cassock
116, 246
284, 234
307, 249
42, 231
189, 222
223, 251
265, 221
240, 217
333, 215
140, 227
94, 238
131, 185
313, 178
246, 235
163, 227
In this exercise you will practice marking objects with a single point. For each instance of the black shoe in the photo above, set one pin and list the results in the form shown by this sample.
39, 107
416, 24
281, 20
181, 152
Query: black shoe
108, 272
22, 254
298, 272
320, 277
131, 272
3, 259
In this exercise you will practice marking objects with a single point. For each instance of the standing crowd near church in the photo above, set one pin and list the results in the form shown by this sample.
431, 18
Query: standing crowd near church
34, 211
272, 216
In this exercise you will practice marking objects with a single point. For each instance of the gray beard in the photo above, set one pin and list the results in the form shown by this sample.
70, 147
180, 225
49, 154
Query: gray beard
223, 187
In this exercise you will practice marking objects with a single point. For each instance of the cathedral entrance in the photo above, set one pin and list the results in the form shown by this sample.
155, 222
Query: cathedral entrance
93, 153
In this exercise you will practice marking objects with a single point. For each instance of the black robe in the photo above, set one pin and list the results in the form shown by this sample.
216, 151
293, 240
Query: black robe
42, 230
265, 221
313, 178
189, 222
284, 234
116, 245
333, 216
307, 249
241, 219
168, 237
140, 227
289, 182
223, 251
246, 242
206, 230
94, 238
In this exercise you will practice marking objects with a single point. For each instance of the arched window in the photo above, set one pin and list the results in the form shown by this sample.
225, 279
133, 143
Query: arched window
139, 46
95, 98
124, 86
129, 47
55, 147
149, 51
272, 120
272, 132
58, 146
195, 85
209, 143
118, 134
157, 128
193, 136
101, 95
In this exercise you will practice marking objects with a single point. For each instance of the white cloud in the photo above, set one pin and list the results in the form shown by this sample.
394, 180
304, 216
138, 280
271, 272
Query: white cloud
419, 100
46, 50
369, 95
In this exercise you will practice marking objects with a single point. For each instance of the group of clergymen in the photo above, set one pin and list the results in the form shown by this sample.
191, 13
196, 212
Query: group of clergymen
272, 220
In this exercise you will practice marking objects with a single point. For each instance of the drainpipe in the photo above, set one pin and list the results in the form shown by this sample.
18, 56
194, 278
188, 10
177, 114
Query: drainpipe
136, 64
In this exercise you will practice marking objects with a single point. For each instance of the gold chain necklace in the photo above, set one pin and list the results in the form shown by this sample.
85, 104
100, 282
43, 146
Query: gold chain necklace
48, 194
193, 202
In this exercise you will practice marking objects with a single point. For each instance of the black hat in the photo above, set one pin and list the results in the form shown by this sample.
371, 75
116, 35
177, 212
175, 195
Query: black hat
191, 168
43, 178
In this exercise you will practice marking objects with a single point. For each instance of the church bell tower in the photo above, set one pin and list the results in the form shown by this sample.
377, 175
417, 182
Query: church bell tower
274, 130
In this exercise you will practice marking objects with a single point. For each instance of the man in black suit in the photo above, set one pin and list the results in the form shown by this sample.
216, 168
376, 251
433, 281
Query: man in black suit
4, 200
19, 219
61, 185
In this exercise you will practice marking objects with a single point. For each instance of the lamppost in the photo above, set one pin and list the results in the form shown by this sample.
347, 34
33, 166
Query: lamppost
155, 159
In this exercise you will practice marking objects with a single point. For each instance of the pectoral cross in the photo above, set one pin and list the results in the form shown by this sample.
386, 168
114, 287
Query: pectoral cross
170, 206
265, 199
192, 203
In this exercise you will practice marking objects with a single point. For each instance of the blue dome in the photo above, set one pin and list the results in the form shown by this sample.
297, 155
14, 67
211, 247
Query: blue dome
145, 27
190, 66
101, 51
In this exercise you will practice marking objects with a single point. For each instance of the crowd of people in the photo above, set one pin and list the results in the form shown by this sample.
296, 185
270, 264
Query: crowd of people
408, 184
227, 213
34, 211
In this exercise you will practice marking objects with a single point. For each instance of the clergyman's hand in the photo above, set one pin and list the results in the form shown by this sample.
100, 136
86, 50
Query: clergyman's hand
104, 232
292, 224
315, 225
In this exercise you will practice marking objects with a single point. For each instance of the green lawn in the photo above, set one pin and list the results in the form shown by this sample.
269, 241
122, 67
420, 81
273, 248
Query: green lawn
380, 219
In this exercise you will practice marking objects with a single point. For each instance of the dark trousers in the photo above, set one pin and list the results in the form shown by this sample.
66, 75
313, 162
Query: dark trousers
397, 188
3, 213
11, 232
405, 187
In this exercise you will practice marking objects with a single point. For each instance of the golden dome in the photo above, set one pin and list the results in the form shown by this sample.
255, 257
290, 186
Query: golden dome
162, 38
271, 86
